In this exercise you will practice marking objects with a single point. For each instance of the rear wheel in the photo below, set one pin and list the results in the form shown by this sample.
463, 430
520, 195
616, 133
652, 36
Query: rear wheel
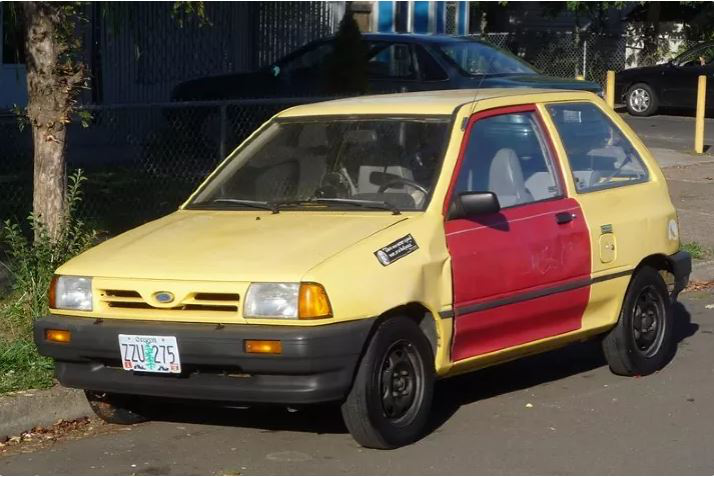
117, 408
391, 396
642, 340
641, 100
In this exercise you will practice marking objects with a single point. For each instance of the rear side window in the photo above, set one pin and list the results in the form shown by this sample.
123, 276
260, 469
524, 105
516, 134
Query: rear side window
429, 68
600, 155
390, 61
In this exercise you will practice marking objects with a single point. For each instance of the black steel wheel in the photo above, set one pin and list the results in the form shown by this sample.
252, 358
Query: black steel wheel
390, 400
648, 321
401, 381
642, 341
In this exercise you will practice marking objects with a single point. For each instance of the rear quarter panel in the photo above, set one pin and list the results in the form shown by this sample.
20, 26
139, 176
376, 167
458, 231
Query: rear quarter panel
641, 217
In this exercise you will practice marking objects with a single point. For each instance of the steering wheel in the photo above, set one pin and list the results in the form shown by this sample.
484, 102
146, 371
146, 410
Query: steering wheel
403, 181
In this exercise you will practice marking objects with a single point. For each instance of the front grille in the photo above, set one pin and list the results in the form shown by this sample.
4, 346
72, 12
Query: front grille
197, 301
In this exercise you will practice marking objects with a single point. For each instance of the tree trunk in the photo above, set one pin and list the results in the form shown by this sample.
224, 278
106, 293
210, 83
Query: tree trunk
650, 43
52, 82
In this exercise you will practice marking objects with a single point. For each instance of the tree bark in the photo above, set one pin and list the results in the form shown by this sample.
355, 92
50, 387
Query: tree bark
52, 82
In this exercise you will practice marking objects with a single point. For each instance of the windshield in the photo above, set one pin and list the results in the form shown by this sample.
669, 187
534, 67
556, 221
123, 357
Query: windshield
699, 56
390, 164
475, 59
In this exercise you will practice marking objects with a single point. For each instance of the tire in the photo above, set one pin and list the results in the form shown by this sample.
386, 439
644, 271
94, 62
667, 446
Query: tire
116, 408
641, 100
380, 423
630, 351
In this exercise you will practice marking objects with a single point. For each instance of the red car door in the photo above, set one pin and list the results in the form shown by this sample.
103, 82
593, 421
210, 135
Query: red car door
523, 273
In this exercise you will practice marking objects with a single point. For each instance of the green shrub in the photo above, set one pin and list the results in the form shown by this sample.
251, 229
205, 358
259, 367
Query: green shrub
21, 367
32, 260
697, 250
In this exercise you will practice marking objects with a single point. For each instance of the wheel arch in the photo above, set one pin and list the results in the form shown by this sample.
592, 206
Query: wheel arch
626, 88
421, 315
663, 264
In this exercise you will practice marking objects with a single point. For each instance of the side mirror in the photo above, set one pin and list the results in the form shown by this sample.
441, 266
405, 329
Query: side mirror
468, 204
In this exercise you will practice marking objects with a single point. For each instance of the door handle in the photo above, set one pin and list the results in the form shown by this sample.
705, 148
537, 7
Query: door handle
564, 217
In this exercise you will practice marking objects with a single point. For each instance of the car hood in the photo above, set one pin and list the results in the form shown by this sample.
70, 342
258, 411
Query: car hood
640, 71
228, 246
540, 81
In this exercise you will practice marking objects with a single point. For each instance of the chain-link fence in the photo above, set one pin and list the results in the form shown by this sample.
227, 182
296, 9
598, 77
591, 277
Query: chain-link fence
141, 161
565, 54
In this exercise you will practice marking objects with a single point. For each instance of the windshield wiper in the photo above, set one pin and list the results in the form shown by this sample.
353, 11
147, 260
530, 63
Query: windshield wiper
257, 204
372, 204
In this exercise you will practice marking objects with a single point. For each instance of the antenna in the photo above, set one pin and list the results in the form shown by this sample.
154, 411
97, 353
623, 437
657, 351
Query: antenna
483, 77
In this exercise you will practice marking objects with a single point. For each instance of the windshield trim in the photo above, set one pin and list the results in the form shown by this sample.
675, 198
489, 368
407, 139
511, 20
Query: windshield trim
439, 48
448, 119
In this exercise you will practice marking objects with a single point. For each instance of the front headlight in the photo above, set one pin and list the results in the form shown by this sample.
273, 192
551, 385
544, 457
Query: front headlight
272, 300
71, 293
287, 300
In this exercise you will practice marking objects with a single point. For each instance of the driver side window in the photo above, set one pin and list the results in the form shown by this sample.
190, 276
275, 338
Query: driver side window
507, 155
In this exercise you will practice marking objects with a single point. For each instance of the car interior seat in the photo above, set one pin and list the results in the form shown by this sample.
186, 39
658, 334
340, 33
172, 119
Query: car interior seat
505, 179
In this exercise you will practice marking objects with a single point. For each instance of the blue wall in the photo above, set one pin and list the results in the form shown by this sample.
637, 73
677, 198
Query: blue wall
426, 16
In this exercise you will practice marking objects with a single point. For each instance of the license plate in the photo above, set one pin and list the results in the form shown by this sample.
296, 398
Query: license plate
151, 354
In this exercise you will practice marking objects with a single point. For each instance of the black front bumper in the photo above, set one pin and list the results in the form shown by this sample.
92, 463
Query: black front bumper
317, 363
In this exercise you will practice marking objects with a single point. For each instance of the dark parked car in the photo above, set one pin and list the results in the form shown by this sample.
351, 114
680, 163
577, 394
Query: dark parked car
396, 63
672, 85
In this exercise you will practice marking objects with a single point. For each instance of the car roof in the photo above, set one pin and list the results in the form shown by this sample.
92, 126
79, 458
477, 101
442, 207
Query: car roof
418, 37
441, 102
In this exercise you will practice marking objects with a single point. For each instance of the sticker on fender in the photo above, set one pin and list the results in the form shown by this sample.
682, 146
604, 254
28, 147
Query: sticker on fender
396, 250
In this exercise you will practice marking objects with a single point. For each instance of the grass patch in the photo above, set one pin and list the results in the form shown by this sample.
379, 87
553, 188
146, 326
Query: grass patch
21, 367
697, 250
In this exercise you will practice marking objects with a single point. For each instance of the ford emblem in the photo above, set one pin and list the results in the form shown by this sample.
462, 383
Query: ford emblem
164, 297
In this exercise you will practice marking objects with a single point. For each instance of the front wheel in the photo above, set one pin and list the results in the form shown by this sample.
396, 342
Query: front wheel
641, 100
116, 408
390, 400
642, 341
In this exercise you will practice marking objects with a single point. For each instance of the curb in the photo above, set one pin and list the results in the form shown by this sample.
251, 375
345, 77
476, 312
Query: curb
21, 411
703, 271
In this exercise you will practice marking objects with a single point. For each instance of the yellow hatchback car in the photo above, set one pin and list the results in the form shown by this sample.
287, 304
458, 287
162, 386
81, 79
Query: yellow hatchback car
357, 250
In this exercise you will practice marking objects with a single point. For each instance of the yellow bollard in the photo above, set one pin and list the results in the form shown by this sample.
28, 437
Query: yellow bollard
579, 77
699, 123
610, 89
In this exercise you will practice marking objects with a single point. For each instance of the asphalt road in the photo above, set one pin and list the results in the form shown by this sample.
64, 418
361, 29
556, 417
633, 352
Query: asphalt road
670, 132
581, 420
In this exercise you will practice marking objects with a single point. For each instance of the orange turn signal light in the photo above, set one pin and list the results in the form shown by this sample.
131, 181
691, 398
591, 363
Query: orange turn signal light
53, 291
58, 336
313, 302
263, 346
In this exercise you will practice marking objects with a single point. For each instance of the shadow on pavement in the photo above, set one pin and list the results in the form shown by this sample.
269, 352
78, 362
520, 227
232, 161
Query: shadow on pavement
450, 394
